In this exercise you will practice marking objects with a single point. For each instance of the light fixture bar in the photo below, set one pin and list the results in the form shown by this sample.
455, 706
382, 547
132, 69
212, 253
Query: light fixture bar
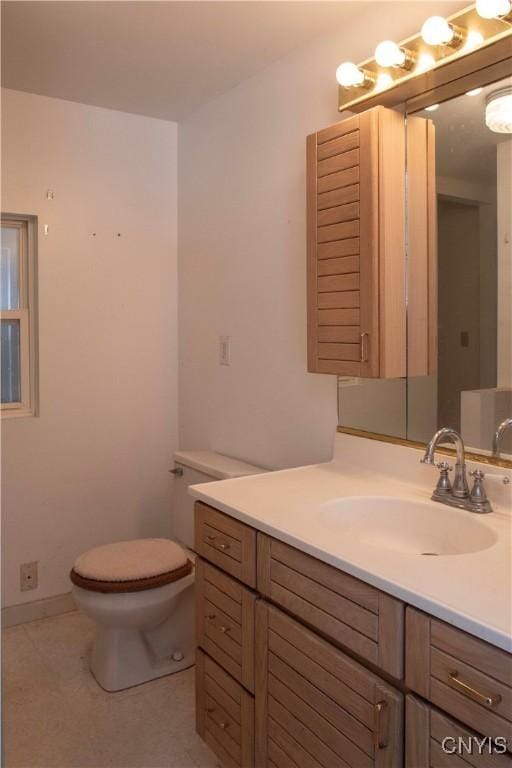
447, 39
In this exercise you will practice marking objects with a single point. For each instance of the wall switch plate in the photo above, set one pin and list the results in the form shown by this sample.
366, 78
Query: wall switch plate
28, 576
224, 350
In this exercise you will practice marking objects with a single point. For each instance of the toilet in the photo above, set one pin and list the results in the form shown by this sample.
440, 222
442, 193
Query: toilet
140, 593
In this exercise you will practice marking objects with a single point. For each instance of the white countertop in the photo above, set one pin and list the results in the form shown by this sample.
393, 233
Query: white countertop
471, 591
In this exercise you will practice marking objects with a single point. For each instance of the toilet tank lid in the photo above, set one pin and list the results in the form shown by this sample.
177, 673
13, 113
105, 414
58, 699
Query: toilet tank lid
215, 464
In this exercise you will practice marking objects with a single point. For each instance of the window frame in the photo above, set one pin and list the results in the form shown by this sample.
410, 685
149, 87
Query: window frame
26, 315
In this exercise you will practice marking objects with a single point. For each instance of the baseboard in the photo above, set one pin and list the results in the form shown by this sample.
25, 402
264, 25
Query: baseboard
38, 609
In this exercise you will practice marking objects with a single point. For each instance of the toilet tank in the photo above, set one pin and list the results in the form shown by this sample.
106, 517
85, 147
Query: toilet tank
199, 467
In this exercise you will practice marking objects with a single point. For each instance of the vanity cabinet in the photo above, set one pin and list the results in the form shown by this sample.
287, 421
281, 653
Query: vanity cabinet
300, 665
356, 255
316, 707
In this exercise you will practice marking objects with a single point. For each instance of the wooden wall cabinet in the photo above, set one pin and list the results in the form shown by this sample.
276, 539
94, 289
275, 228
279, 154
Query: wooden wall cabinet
356, 253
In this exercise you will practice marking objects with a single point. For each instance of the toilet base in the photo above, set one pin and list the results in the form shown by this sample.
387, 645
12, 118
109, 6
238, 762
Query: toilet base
123, 658
140, 635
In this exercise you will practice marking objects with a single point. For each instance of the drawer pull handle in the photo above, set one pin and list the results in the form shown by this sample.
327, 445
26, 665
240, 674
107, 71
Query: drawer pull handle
364, 350
212, 616
223, 629
472, 693
220, 545
381, 724
223, 725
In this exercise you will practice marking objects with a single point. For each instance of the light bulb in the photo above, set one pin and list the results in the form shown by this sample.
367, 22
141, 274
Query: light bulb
389, 54
492, 9
349, 75
498, 112
425, 61
437, 31
473, 39
384, 80
474, 92
432, 108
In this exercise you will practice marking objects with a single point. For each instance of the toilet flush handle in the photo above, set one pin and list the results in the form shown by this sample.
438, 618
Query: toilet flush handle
177, 471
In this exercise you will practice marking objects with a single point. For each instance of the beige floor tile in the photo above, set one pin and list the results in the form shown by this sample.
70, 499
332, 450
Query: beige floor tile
57, 716
63, 642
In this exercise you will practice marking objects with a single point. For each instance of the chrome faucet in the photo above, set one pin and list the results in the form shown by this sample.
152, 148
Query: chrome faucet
456, 495
460, 488
496, 443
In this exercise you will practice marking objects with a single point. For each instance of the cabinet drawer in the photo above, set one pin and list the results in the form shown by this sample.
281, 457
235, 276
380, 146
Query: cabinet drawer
225, 621
224, 714
227, 543
434, 740
462, 675
354, 614
316, 706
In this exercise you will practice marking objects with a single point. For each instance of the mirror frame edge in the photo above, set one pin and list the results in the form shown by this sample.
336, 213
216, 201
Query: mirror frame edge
483, 458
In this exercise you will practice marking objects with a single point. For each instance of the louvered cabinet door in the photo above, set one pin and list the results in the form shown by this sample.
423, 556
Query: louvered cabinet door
434, 740
316, 707
356, 258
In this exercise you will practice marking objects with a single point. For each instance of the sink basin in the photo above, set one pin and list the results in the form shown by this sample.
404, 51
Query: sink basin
406, 526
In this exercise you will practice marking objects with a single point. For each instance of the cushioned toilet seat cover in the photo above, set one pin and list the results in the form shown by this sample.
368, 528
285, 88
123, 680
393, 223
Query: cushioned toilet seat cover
128, 566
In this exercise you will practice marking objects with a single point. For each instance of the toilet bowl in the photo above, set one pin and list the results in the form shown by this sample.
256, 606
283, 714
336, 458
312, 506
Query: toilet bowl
140, 593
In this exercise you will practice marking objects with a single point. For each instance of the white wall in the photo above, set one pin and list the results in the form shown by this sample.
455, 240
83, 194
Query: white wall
242, 251
92, 467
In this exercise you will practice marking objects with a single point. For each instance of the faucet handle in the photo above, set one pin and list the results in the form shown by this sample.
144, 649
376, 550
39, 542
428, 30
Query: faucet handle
478, 474
444, 486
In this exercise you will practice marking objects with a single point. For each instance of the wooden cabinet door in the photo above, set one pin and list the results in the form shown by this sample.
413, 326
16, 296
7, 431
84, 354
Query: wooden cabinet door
356, 258
462, 675
434, 740
316, 707
225, 622
353, 614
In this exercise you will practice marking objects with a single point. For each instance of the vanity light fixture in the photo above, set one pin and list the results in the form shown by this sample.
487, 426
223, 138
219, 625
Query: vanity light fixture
474, 92
398, 70
493, 9
437, 31
432, 108
349, 75
498, 111
389, 54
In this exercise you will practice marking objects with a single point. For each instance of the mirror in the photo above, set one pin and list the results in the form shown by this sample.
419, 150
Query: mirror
459, 284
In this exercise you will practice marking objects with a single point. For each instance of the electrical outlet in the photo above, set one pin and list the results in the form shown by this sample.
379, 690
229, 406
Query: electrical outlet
28, 576
224, 350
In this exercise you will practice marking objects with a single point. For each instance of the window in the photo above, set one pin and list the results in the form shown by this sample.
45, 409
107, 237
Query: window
18, 386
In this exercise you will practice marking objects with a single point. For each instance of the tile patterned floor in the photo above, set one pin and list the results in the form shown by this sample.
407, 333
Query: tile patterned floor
56, 716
